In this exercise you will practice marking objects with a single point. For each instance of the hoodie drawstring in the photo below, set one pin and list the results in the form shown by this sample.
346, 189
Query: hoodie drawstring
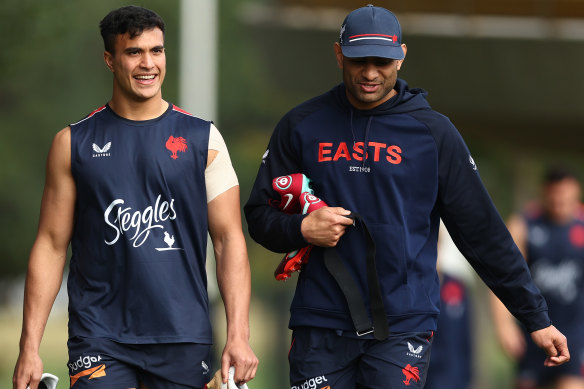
366, 140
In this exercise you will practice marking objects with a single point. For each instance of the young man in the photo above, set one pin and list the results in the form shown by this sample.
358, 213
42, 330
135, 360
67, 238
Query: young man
551, 237
374, 147
134, 188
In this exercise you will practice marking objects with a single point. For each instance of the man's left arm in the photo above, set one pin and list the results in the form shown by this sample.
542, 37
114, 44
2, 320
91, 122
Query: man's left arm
480, 234
233, 273
234, 280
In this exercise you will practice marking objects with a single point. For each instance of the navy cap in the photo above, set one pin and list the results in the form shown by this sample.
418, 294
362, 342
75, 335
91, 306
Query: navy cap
371, 32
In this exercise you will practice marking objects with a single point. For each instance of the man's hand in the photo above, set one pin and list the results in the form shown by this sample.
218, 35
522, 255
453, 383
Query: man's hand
325, 226
239, 355
28, 371
554, 343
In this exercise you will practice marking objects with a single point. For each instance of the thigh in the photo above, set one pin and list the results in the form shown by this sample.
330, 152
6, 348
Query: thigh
321, 358
400, 361
94, 364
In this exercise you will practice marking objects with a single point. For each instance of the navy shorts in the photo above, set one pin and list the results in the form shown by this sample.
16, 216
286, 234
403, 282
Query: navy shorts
531, 368
328, 359
105, 364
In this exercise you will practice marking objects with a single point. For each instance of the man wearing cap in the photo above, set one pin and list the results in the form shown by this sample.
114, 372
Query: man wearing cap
372, 146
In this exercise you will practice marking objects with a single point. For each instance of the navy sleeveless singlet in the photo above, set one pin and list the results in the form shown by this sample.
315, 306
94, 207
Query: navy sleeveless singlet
137, 272
555, 255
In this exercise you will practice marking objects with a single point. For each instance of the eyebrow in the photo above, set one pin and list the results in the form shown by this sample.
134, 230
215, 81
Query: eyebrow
132, 49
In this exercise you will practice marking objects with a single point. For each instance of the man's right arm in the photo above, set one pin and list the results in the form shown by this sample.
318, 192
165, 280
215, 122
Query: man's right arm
273, 229
47, 259
278, 231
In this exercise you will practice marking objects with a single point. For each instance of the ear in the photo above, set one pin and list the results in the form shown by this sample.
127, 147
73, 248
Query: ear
401, 61
108, 58
339, 54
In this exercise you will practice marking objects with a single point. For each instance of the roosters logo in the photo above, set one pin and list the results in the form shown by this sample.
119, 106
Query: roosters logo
175, 145
411, 373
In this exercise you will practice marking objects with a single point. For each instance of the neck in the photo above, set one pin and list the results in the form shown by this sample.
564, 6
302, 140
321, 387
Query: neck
368, 105
138, 110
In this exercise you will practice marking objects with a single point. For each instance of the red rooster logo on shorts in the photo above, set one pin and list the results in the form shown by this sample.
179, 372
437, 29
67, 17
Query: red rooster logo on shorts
411, 373
176, 144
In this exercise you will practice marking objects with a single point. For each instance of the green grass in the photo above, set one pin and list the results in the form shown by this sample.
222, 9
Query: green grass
53, 347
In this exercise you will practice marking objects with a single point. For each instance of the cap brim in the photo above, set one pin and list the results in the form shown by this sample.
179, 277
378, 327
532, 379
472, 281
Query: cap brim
381, 51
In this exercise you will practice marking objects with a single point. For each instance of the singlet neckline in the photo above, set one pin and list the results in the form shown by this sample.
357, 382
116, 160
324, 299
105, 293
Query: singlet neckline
140, 123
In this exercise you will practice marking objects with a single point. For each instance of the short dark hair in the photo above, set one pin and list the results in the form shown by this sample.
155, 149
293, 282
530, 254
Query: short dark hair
130, 19
558, 173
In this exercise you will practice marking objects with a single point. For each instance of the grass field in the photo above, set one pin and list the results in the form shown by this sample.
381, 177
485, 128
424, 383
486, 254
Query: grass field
53, 348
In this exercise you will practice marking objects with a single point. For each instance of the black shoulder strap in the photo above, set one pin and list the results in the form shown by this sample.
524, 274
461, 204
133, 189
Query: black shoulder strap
355, 300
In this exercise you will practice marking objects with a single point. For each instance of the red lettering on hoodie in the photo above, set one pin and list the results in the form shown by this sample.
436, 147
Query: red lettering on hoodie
342, 152
322, 152
394, 154
377, 146
358, 147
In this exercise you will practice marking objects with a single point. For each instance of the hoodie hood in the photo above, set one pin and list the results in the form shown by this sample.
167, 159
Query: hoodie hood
406, 100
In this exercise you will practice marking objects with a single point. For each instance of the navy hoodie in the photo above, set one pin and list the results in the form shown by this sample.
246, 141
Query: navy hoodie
414, 170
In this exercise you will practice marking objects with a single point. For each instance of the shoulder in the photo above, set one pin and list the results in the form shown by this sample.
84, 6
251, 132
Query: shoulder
216, 141
189, 121
305, 109
181, 113
438, 125
93, 114
63, 138
447, 138
60, 152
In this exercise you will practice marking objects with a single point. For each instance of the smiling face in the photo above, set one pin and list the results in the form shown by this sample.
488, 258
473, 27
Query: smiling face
369, 80
139, 66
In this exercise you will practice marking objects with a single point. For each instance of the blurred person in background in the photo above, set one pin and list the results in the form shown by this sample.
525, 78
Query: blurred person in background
372, 146
451, 360
134, 188
550, 234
